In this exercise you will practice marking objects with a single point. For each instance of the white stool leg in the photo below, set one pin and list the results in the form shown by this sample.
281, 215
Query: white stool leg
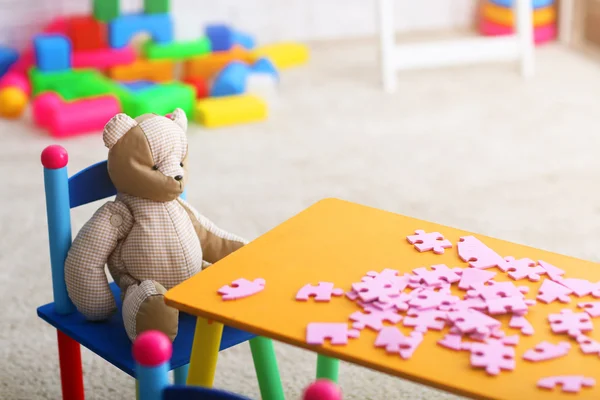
524, 30
387, 44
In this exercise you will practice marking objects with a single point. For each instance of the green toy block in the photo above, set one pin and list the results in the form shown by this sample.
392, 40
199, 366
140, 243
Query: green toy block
106, 10
176, 50
156, 6
162, 99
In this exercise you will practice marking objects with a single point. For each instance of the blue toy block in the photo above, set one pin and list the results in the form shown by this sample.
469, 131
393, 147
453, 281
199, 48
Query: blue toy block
8, 57
245, 40
122, 29
52, 52
221, 37
138, 86
534, 3
265, 66
231, 80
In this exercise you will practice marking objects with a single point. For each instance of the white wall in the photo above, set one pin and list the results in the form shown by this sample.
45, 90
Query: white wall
268, 20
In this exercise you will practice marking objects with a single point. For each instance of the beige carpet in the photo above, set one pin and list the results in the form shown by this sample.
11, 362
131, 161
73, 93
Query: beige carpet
477, 148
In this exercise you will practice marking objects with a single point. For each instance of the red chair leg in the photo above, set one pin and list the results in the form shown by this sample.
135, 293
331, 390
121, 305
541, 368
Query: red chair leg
71, 372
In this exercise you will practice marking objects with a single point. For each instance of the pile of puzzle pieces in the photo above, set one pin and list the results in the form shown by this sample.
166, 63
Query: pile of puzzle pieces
81, 70
423, 300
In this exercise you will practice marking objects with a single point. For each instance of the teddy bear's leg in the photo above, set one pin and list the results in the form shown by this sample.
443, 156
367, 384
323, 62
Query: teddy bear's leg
144, 309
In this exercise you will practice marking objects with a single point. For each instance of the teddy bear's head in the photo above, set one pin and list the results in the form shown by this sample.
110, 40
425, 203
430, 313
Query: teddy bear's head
147, 155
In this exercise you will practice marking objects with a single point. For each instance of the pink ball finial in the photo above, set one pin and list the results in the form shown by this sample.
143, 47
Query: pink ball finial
322, 389
152, 348
54, 157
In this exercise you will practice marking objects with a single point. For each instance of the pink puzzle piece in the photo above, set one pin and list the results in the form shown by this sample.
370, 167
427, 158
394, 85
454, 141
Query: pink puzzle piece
352, 295
523, 268
452, 341
505, 305
337, 333
492, 355
588, 345
469, 303
474, 276
592, 308
574, 324
569, 383
322, 292
377, 289
374, 318
553, 272
547, 351
422, 321
427, 299
429, 241
495, 290
241, 288
400, 303
394, 341
467, 321
477, 254
580, 287
550, 291
439, 274
520, 322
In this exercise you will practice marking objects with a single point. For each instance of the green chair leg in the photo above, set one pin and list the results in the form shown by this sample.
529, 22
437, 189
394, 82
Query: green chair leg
327, 368
267, 371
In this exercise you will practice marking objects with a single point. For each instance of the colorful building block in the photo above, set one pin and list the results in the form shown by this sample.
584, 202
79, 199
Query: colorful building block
230, 110
52, 52
106, 10
87, 33
156, 6
162, 99
141, 69
16, 79
264, 66
176, 50
243, 39
231, 80
8, 57
123, 28
138, 86
284, 55
25, 62
208, 66
103, 58
58, 25
221, 36
200, 86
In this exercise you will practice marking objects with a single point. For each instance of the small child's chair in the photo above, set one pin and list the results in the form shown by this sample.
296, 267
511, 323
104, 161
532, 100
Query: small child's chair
107, 339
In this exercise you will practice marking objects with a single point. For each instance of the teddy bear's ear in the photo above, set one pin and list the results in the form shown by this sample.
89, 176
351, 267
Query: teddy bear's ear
179, 117
116, 128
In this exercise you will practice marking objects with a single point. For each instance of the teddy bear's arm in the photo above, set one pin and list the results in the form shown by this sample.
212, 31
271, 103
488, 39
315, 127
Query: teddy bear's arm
85, 278
216, 243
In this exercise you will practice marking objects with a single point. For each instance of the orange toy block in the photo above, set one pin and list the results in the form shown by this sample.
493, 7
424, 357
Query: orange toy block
207, 66
147, 70
86, 33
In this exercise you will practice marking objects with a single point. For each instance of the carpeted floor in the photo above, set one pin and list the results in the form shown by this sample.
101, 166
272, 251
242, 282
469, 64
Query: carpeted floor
472, 147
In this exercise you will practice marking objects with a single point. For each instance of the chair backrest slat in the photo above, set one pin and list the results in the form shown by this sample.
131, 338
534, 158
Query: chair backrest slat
90, 184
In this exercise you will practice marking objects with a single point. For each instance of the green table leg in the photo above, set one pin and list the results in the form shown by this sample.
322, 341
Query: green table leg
267, 372
327, 368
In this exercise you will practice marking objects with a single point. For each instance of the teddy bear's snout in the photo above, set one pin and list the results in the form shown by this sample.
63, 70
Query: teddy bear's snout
178, 177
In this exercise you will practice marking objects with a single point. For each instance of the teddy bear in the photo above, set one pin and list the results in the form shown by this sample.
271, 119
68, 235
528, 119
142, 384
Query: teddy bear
150, 239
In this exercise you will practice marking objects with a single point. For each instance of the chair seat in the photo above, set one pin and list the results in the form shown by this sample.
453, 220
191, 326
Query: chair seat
109, 340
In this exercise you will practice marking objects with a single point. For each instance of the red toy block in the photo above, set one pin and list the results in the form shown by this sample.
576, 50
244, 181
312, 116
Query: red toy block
200, 86
87, 33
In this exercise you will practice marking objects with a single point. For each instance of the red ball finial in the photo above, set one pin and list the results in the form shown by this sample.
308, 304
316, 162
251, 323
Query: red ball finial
54, 157
322, 389
152, 348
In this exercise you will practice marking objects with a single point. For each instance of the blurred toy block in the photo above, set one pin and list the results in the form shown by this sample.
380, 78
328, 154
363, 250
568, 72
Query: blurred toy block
243, 39
63, 118
200, 86
87, 33
138, 86
208, 66
57, 25
162, 99
147, 70
230, 110
283, 55
123, 28
220, 35
103, 58
52, 52
231, 80
156, 6
106, 10
176, 50
265, 66
8, 57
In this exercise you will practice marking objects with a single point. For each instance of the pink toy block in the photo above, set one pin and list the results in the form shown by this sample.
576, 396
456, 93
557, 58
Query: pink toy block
427, 299
477, 254
374, 318
473, 321
337, 333
473, 276
574, 324
505, 305
588, 345
241, 288
551, 291
394, 341
322, 292
429, 241
569, 383
580, 287
494, 290
523, 268
520, 322
438, 274
452, 341
547, 351
592, 308
553, 272
422, 321
103, 58
64, 119
492, 355
377, 289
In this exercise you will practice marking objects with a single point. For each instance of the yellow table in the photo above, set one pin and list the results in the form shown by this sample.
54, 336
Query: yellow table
339, 241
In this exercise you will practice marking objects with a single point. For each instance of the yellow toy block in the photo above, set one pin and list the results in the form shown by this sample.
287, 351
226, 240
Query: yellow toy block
146, 70
505, 16
207, 66
214, 112
284, 55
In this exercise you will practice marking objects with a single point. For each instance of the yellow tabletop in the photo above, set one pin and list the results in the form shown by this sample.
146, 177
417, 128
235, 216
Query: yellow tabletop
338, 241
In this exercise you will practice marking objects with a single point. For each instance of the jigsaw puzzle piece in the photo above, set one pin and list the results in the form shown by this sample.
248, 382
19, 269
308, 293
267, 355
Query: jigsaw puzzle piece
427, 299
476, 303
494, 290
550, 291
429, 241
452, 341
377, 289
580, 287
470, 320
520, 322
505, 305
439, 274
477, 254
569, 383
493, 355
523, 268
337, 333
424, 320
592, 308
241, 288
321, 292
394, 341
547, 351
574, 324
553, 272
474, 276
374, 318
588, 345
400, 303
